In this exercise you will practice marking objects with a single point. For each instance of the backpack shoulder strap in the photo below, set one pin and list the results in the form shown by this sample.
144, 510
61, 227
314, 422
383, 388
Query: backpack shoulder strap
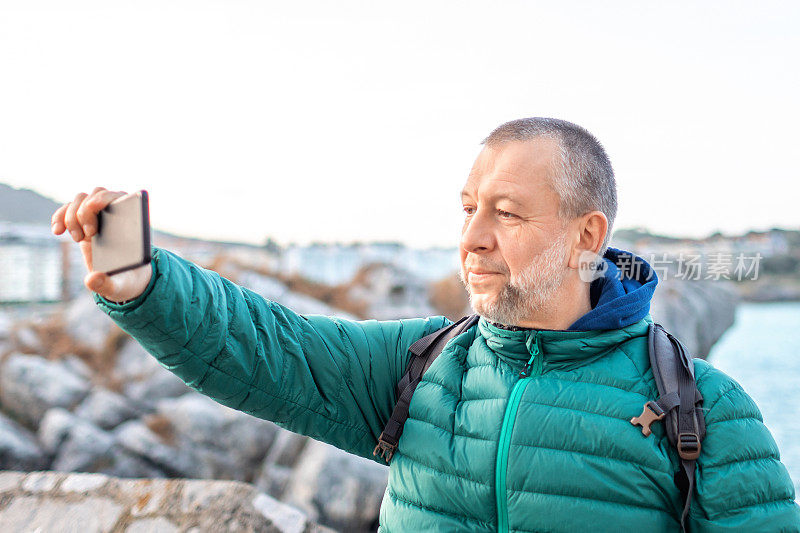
423, 353
679, 405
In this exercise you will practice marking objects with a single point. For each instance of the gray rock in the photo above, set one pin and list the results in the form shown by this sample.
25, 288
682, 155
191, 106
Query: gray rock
106, 409
28, 340
274, 479
128, 465
159, 385
54, 428
290, 519
287, 448
10, 481
721, 299
150, 496
18, 447
193, 436
198, 495
33, 513
87, 324
696, 312
277, 468
234, 506
83, 482
133, 362
136, 438
83, 503
30, 385
40, 481
336, 488
390, 292
233, 442
144, 379
75, 365
152, 525
77, 445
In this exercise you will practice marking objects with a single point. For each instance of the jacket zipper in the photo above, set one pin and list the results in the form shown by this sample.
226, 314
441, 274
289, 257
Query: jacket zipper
531, 369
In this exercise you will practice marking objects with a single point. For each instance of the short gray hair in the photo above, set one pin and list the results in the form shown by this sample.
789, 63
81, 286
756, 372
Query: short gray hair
586, 180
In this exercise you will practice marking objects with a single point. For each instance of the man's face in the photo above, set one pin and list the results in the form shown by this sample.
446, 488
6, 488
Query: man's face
514, 251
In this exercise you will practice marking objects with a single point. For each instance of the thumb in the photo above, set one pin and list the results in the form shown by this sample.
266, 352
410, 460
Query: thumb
101, 283
120, 287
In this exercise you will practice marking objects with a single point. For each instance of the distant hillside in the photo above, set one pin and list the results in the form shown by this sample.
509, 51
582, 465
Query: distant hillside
25, 206
791, 235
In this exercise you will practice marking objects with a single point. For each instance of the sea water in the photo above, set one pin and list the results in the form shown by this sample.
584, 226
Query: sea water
762, 352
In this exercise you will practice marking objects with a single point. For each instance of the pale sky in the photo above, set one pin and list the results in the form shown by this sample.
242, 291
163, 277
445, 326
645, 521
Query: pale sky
343, 121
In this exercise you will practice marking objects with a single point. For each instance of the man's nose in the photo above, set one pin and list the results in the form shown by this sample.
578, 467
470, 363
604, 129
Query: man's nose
477, 235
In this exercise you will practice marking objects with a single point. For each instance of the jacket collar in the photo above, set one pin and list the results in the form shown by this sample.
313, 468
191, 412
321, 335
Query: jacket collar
620, 297
560, 349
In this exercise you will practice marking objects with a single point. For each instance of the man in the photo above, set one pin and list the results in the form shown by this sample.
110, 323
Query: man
523, 422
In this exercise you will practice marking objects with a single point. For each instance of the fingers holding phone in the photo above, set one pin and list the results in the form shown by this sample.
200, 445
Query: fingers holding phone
79, 217
91, 208
113, 231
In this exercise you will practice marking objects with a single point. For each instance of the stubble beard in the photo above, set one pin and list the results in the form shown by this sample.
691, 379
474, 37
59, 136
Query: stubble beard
528, 293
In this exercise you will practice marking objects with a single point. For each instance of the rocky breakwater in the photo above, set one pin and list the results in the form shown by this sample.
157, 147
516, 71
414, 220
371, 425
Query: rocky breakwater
89, 503
696, 312
78, 395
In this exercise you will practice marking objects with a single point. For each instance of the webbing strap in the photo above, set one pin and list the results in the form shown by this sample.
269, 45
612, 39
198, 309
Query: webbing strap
688, 432
423, 353
681, 402
668, 401
684, 479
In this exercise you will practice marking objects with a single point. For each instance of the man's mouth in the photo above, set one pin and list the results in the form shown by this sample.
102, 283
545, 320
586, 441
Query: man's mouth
479, 276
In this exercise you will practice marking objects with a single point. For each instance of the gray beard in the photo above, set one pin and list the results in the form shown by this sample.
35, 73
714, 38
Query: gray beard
530, 292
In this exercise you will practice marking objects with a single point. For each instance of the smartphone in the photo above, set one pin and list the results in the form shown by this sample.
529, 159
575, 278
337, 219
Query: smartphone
122, 241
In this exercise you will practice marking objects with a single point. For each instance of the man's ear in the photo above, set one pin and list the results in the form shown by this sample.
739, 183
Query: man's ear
587, 234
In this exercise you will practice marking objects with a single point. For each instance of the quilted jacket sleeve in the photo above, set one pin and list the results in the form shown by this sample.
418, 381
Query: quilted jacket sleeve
328, 378
741, 483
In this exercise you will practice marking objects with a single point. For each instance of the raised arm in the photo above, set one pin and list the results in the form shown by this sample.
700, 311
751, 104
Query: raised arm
328, 378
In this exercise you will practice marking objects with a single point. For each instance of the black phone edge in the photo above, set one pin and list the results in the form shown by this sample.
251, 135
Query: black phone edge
146, 253
147, 256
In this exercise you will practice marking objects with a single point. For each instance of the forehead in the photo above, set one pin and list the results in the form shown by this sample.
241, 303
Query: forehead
520, 169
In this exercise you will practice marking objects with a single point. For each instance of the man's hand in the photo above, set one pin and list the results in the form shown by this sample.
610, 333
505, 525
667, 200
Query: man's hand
79, 217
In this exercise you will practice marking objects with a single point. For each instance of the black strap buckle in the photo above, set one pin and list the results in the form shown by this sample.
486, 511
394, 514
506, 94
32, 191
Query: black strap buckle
689, 446
384, 449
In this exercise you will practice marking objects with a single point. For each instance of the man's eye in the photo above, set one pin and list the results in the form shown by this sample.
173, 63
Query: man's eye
469, 209
505, 214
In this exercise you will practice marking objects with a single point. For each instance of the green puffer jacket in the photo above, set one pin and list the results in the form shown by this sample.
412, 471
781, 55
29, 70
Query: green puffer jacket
483, 449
